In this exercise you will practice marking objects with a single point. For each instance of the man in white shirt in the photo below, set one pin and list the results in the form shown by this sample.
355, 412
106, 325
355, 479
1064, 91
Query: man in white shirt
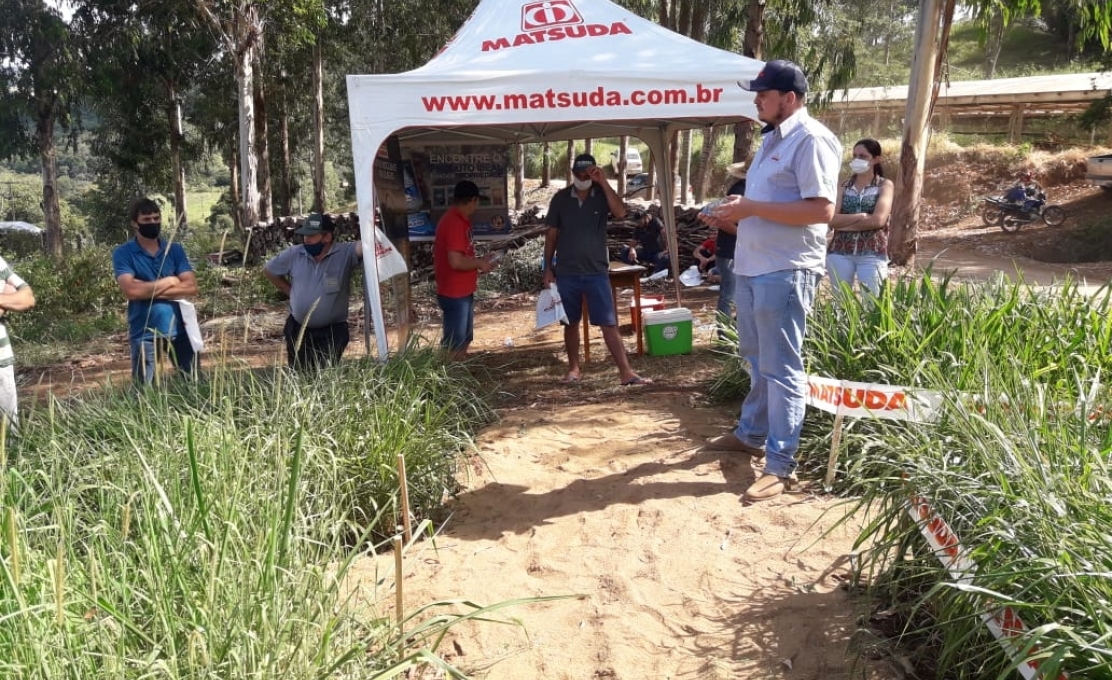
782, 220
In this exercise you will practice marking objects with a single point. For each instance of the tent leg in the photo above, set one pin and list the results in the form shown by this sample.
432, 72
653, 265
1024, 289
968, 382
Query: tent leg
657, 139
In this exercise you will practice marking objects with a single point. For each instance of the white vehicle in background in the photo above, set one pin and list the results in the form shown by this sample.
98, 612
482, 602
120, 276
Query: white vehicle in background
1098, 170
633, 161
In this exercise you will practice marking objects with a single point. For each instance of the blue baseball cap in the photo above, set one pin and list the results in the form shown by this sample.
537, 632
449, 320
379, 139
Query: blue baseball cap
779, 74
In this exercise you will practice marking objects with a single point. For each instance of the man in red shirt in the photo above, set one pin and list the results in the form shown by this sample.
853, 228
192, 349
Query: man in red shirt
705, 255
457, 270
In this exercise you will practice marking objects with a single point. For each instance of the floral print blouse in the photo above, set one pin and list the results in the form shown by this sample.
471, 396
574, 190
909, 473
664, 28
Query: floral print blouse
871, 242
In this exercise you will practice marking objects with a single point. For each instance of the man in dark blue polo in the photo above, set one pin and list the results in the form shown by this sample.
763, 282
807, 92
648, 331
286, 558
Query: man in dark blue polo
576, 239
153, 275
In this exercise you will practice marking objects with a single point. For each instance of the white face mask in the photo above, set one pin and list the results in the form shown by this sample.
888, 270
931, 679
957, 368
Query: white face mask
859, 165
582, 184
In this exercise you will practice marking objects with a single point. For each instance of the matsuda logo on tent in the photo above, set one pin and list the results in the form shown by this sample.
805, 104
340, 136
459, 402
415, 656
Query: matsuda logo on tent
536, 16
553, 20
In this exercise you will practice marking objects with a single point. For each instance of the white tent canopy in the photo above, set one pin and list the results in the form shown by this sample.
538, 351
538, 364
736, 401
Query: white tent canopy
526, 71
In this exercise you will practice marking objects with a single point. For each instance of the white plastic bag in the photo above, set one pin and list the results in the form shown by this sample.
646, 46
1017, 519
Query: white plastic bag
550, 309
192, 327
691, 276
390, 261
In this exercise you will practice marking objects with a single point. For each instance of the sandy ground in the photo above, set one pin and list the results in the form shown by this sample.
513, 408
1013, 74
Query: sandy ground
604, 494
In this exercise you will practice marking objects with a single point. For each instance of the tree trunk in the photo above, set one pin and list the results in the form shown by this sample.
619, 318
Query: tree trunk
176, 165
287, 183
588, 145
248, 163
570, 160
519, 176
48, 154
233, 186
685, 165
673, 161
752, 47
699, 13
262, 149
921, 93
683, 21
662, 14
706, 163
320, 197
546, 165
994, 41
623, 153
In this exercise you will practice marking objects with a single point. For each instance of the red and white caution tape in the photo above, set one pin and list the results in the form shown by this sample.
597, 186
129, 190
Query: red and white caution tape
1004, 623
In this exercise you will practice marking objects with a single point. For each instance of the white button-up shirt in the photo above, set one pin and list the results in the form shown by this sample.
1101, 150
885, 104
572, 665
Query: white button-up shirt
797, 160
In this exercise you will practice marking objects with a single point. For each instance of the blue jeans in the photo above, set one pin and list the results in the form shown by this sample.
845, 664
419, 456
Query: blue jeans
145, 353
600, 299
771, 322
726, 286
459, 321
871, 270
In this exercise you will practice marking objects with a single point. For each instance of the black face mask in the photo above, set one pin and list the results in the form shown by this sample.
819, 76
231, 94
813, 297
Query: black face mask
151, 230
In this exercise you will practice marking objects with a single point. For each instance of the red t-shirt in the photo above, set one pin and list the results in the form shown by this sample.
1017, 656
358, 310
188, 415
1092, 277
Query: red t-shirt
453, 232
710, 245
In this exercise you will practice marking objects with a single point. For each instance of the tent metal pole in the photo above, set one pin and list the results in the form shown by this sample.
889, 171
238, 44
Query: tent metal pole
657, 139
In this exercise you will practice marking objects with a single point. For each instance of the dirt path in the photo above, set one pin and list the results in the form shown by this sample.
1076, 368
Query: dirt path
971, 262
603, 493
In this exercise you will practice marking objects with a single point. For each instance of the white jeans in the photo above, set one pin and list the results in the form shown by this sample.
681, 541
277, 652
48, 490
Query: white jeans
870, 270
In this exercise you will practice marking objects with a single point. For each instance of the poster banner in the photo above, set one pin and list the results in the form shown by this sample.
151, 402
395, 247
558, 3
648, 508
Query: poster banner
390, 189
434, 170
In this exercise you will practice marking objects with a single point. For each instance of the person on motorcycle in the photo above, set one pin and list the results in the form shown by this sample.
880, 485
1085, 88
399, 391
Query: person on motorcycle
1027, 194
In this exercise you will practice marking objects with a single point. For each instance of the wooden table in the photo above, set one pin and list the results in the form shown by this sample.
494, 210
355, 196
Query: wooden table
621, 276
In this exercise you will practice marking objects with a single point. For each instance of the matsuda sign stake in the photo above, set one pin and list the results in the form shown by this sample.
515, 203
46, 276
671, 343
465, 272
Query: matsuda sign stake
551, 21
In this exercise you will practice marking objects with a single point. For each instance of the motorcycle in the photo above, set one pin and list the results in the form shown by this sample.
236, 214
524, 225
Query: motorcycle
1010, 214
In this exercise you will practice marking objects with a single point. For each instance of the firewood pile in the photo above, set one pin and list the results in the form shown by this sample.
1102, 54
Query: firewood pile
266, 240
690, 232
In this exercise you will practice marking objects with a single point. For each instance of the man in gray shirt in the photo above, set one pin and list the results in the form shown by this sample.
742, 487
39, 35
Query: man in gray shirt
576, 258
779, 259
316, 276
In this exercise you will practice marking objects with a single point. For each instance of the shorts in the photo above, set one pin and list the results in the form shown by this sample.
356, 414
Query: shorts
600, 298
459, 321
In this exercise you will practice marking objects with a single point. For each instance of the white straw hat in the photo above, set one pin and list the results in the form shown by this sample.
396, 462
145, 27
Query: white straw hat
736, 170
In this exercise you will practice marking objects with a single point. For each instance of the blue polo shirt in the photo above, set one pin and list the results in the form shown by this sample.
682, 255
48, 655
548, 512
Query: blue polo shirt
145, 318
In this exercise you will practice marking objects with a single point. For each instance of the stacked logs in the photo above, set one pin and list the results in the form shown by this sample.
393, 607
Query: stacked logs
690, 232
267, 239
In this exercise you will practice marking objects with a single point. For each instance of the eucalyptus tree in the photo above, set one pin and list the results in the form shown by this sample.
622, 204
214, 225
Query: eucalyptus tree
40, 77
804, 31
144, 60
380, 36
932, 39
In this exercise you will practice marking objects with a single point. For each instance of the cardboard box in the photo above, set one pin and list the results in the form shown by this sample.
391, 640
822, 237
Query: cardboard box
668, 331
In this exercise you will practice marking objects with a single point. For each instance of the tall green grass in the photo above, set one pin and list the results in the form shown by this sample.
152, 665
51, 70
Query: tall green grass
1019, 464
206, 529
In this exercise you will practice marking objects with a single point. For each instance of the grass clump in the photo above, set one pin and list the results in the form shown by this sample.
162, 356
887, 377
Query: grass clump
1019, 464
206, 529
